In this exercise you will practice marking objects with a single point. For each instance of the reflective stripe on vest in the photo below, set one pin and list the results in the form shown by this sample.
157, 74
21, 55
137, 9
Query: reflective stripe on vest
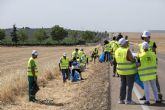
154, 67
147, 70
124, 67
64, 63
128, 63
148, 74
29, 69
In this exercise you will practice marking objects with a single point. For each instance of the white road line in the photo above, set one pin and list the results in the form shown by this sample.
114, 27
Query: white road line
159, 59
138, 95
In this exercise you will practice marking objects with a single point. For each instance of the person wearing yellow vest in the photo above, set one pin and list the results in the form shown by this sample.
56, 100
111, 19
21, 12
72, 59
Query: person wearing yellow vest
107, 50
75, 53
114, 45
32, 73
126, 68
94, 54
152, 47
147, 72
64, 67
80, 52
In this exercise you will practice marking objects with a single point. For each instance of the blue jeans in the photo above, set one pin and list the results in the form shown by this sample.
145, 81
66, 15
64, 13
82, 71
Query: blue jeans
138, 81
65, 74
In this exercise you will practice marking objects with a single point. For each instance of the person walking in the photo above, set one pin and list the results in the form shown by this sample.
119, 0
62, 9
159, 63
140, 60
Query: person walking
107, 50
75, 53
32, 73
95, 54
114, 45
64, 67
147, 72
126, 68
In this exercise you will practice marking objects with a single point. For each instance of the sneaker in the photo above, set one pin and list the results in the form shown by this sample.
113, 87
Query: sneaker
82, 78
146, 103
130, 102
143, 98
121, 102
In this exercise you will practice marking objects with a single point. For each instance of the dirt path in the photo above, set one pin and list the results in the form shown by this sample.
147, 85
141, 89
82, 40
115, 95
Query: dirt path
90, 94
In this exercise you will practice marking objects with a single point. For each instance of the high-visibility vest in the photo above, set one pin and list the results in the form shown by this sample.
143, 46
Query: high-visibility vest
107, 47
64, 63
83, 59
114, 46
29, 70
80, 53
74, 54
124, 67
147, 70
141, 50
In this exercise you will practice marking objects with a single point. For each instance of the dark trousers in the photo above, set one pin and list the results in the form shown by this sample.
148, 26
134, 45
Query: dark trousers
65, 74
127, 82
157, 84
33, 87
107, 56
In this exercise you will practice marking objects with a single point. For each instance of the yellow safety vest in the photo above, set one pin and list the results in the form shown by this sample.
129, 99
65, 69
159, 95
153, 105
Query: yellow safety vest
141, 50
64, 63
114, 46
147, 70
80, 53
74, 54
107, 48
29, 70
124, 67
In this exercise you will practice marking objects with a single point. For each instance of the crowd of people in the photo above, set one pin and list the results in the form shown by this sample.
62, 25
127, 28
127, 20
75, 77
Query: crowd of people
70, 68
140, 67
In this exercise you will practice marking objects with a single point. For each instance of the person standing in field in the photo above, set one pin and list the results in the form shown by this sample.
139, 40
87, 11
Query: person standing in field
64, 67
95, 54
75, 53
126, 68
32, 73
147, 72
152, 47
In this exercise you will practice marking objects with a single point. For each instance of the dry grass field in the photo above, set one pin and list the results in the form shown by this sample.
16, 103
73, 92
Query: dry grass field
55, 94
159, 38
13, 65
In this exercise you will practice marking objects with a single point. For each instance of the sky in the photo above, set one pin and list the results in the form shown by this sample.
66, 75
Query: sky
95, 15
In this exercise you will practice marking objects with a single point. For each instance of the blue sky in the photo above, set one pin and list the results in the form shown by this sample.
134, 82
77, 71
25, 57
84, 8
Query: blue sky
97, 15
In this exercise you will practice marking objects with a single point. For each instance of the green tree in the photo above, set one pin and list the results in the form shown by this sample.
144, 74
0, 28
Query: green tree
40, 35
88, 36
2, 34
14, 34
58, 33
22, 35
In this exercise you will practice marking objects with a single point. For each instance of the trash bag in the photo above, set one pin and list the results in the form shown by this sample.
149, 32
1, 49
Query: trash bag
138, 81
101, 58
76, 76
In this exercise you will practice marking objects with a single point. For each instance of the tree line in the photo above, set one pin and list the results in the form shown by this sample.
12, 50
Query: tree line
56, 36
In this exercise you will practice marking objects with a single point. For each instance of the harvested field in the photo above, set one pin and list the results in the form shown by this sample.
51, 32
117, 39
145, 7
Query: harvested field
13, 64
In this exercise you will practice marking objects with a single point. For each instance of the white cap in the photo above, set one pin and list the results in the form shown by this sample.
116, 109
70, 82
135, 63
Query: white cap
146, 34
34, 52
145, 45
64, 54
122, 41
